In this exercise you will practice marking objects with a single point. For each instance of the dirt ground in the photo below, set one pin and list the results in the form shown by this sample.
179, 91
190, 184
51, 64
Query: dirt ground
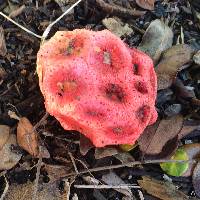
67, 156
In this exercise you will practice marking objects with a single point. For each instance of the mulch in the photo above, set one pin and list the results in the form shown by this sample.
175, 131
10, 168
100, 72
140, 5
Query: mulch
20, 93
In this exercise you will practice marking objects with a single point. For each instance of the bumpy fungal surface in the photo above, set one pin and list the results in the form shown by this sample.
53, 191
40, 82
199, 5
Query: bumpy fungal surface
93, 83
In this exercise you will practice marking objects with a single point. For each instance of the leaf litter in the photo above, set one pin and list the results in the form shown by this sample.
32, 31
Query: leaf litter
20, 84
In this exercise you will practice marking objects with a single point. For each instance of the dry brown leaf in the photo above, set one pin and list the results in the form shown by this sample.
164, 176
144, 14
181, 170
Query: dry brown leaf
116, 26
146, 4
186, 130
105, 152
196, 179
4, 135
25, 191
85, 145
27, 137
113, 179
148, 134
124, 157
56, 172
8, 158
157, 38
173, 59
156, 137
162, 190
3, 49
193, 152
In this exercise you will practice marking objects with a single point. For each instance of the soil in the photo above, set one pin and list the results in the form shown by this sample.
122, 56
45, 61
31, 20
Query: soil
20, 93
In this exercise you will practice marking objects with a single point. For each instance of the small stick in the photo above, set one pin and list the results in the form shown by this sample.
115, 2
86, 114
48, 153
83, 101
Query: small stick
130, 164
5, 189
38, 124
73, 162
47, 30
39, 165
106, 186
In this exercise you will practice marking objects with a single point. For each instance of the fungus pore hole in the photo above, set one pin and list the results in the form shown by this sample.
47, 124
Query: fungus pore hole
141, 87
136, 69
143, 113
115, 92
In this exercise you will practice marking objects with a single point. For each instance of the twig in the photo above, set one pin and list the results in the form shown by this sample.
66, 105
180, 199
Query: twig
118, 10
73, 162
47, 30
141, 196
106, 186
38, 124
39, 165
129, 164
20, 26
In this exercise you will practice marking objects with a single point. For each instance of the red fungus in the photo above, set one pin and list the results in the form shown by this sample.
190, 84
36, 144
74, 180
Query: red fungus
93, 83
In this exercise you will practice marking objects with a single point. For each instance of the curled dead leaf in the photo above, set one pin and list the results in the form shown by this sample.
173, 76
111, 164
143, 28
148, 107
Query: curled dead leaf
116, 26
146, 4
4, 135
172, 60
157, 38
3, 49
27, 137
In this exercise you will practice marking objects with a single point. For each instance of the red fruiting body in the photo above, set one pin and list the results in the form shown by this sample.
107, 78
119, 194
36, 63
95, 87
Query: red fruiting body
93, 83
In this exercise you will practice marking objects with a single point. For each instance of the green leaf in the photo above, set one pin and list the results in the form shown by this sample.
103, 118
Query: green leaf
176, 168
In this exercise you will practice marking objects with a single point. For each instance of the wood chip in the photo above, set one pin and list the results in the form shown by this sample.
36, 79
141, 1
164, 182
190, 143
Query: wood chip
3, 49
